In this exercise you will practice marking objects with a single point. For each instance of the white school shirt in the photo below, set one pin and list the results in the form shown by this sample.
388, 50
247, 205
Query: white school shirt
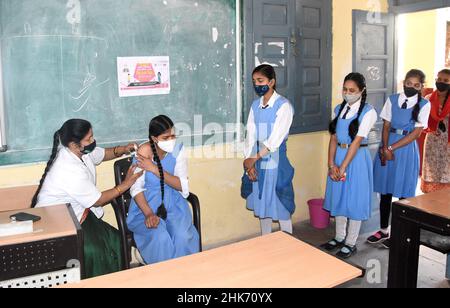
424, 115
281, 128
367, 122
181, 171
72, 180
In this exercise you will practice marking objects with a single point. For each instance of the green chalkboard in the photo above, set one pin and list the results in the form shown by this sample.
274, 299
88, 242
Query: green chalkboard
60, 62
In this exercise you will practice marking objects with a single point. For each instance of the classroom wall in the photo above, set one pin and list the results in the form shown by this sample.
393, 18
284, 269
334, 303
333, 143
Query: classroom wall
417, 44
217, 181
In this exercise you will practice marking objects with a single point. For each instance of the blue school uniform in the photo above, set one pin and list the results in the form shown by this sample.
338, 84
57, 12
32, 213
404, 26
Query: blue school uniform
174, 237
352, 198
400, 176
272, 196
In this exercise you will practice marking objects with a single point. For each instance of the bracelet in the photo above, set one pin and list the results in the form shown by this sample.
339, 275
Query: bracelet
118, 190
390, 149
115, 152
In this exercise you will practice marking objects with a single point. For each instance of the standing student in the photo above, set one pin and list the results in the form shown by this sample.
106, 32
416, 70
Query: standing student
267, 183
396, 171
350, 178
436, 163
159, 215
70, 178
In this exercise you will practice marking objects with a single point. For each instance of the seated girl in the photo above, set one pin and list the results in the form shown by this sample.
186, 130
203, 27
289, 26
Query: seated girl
159, 214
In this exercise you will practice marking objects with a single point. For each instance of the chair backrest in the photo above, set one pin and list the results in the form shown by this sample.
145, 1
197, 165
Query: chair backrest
122, 205
16, 198
121, 168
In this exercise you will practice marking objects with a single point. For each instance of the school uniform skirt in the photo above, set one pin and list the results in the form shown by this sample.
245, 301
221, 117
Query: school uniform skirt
352, 198
400, 176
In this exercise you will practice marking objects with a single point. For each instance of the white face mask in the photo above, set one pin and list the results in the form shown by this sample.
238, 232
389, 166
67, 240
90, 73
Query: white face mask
352, 98
167, 146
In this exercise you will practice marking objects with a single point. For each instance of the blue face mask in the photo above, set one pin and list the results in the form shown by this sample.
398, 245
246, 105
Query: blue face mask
261, 90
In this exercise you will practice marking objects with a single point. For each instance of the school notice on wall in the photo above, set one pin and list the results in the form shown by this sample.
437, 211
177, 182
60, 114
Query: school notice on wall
143, 76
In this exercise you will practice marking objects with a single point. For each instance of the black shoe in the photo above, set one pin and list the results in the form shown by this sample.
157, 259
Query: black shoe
346, 252
386, 244
378, 237
332, 245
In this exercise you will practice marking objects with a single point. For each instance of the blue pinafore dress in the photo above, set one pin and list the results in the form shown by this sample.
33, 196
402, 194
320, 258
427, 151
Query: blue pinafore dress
352, 198
175, 237
272, 196
400, 176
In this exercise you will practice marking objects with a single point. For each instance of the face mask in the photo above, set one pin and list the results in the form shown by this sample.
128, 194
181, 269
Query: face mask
89, 148
442, 87
167, 146
410, 92
262, 90
352, 98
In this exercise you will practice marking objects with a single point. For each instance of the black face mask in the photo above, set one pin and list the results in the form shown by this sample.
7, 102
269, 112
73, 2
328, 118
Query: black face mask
410, 92
442, 87
89, 148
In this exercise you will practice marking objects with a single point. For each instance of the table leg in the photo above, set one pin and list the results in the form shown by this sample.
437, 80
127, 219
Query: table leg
404, 252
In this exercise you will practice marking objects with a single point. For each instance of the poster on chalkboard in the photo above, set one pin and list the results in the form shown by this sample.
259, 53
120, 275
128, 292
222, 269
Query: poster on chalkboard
143, 76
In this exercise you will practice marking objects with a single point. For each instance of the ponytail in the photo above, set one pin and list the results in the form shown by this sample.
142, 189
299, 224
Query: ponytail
56, 142
72, 131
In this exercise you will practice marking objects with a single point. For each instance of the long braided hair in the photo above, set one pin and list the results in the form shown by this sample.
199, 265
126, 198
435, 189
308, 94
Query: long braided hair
353, 129
72, 131
158, 126
415, 73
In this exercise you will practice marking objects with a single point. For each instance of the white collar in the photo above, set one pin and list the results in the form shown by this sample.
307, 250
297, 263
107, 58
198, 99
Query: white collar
271, 102
355, 106
411, 100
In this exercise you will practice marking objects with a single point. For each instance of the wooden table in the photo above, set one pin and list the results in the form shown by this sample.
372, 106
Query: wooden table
427, 212
16, 198
57, 239
55, 222
273, 261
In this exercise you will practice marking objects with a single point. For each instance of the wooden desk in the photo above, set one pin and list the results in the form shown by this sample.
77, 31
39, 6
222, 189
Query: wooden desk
427, 212
55, 222
17, 198
274, 261
57, 239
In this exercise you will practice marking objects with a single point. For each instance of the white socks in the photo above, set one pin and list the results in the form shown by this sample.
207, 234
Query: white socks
351, 235
286, 226
266, 226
